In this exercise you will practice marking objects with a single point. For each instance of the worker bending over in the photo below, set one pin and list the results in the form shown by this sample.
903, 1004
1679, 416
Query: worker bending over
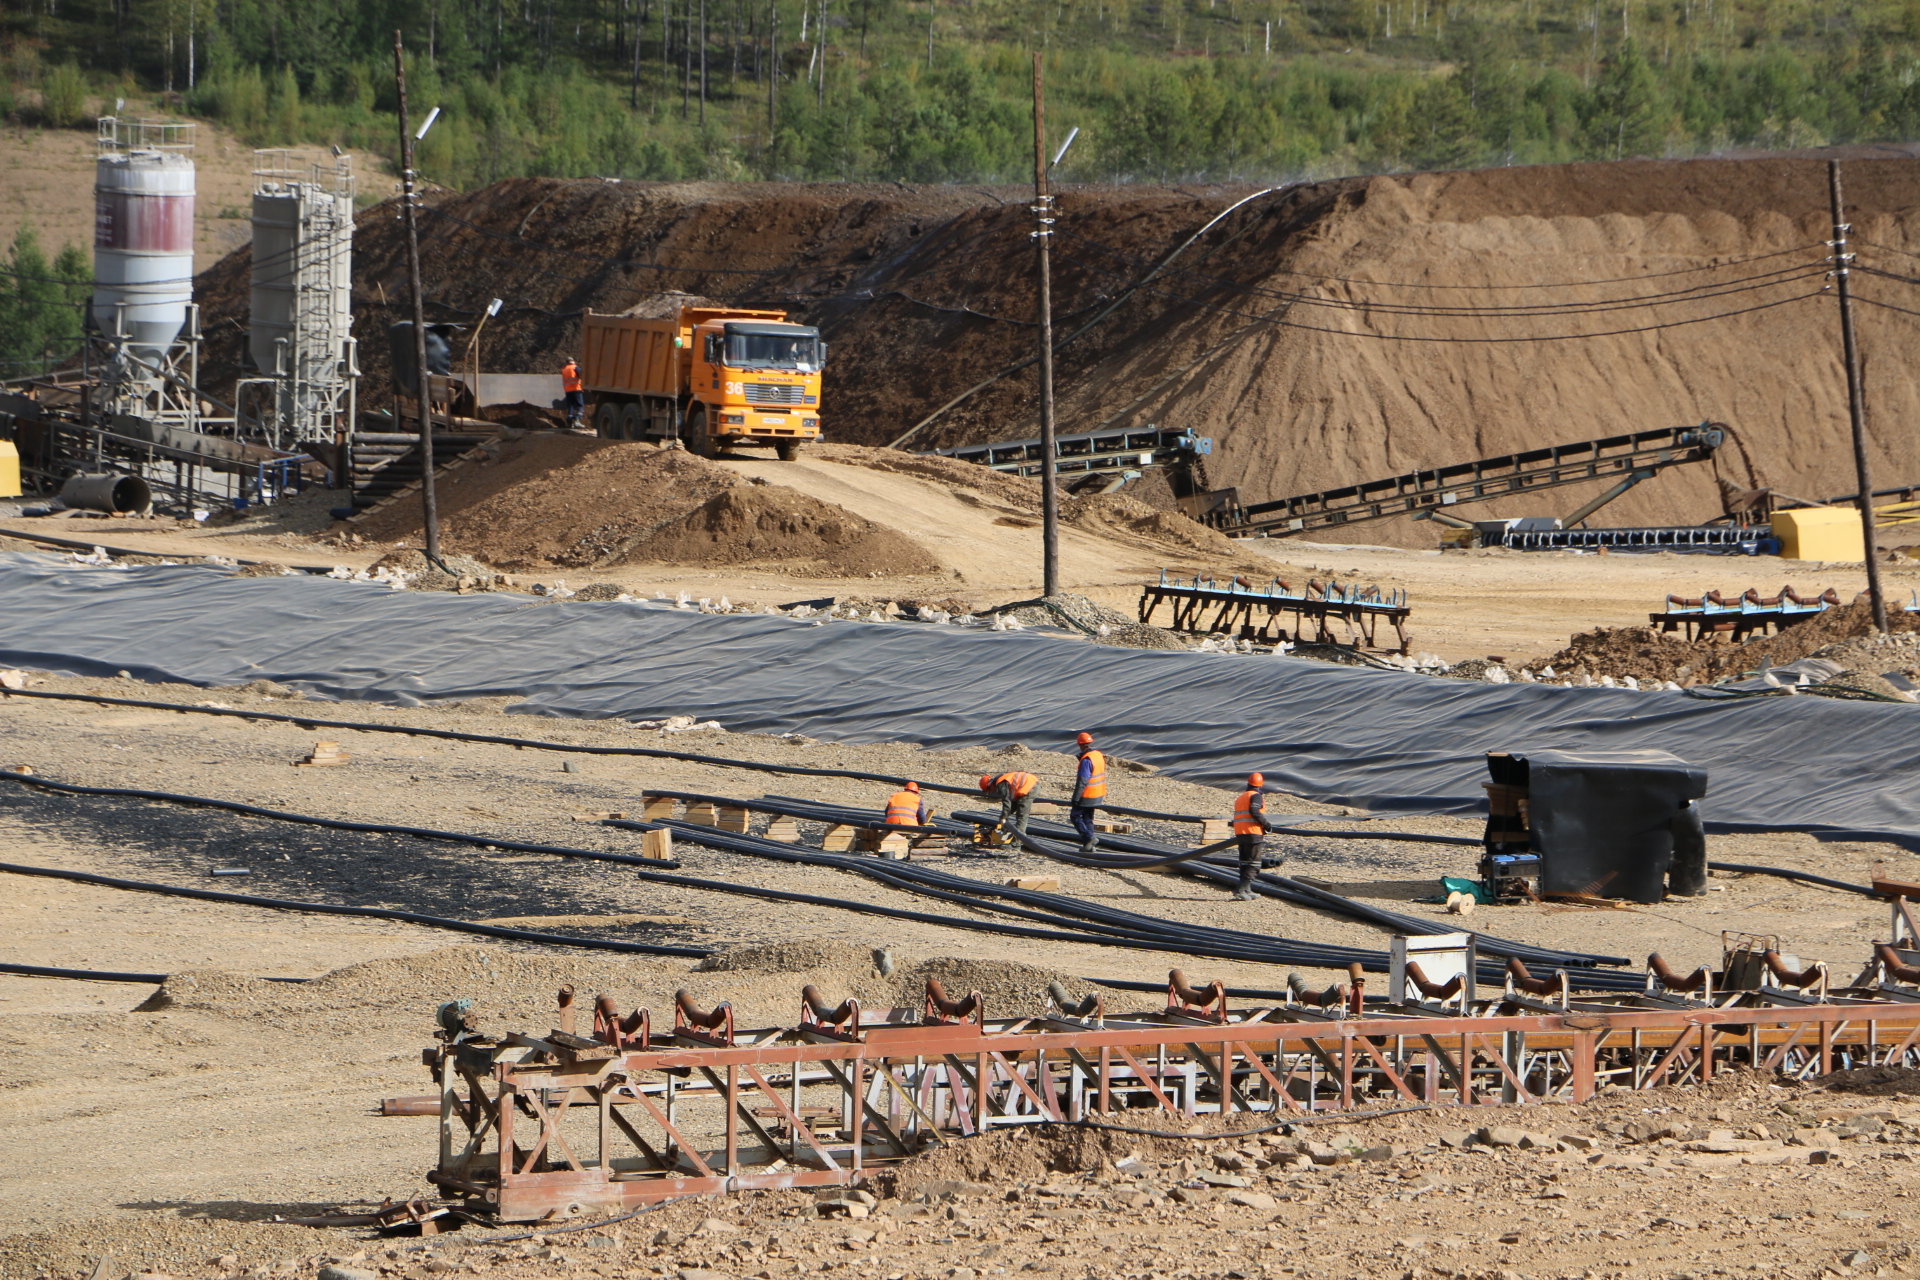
1250, 827
1015, 793
1089, 788
573, 390
906, 807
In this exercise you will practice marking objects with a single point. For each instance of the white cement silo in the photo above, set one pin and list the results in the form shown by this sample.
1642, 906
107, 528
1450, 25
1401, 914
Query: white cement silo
143, 247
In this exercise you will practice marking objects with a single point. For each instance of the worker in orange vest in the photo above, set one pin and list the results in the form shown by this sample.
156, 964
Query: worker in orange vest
905, 808
574, 392
1250, 827
1089, 788
1015, 793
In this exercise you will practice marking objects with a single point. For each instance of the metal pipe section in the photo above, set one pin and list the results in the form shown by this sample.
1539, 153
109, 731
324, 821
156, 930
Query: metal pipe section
115, 494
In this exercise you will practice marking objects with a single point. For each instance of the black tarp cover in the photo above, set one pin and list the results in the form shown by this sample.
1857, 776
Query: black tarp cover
1379, 739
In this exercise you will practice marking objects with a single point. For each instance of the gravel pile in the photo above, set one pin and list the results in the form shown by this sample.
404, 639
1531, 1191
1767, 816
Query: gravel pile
1064, 610
1134, 635
422, 574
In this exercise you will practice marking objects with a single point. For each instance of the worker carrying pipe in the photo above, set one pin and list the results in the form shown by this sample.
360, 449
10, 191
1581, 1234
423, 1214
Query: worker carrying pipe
1014, 791
573, 389
1250, 827
1089, 788
906, 807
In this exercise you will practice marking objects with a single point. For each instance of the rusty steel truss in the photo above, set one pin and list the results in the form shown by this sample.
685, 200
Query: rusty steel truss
534, 1127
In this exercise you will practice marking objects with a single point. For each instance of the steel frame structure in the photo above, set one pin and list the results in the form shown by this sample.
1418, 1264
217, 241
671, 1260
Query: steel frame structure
1116, 449
1627, 459
536, 1127
311, 394
1257, 613
1742, 615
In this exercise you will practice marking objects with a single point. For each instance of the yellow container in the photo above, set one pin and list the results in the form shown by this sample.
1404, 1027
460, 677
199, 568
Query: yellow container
1819, 533
9, 470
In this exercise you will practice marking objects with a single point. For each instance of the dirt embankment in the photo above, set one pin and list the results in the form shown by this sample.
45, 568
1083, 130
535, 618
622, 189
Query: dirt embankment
1321, 334
551, 500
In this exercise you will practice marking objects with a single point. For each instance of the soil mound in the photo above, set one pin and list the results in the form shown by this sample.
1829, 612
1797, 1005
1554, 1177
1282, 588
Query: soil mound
547, 500
1119, 515
801, 957
1018, 492
1844, 634
1321, 334
462, 573
1877, 1081
768, 524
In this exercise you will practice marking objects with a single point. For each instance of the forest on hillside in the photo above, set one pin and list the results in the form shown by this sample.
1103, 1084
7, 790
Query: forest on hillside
939, 90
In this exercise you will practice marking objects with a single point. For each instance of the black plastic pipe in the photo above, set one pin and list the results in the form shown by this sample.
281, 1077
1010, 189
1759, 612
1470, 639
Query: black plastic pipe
336, 824
369, 913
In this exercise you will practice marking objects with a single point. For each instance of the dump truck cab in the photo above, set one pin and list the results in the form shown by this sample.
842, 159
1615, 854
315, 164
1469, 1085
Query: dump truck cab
712, 377
755, 382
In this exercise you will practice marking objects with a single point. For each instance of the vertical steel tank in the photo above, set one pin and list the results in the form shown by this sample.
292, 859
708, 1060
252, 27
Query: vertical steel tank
143, 248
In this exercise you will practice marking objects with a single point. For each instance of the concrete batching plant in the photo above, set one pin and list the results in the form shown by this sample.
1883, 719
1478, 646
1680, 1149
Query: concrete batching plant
300, 338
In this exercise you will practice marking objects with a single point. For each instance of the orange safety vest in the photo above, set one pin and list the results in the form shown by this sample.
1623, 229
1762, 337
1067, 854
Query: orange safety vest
1244, 821
903, 809
570, 377
1096, 788
1023, 783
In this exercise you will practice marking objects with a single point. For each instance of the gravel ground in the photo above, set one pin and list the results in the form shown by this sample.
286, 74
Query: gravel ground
186, 1115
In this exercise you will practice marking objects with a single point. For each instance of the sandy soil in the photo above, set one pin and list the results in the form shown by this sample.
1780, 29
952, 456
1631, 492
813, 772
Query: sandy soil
1323, 334
232, 1101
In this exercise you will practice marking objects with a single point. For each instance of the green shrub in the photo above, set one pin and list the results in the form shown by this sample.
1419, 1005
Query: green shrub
63, 96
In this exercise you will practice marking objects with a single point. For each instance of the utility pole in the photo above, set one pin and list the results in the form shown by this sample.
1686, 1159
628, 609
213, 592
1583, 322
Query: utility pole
1856, 394
422, 389
1042, 235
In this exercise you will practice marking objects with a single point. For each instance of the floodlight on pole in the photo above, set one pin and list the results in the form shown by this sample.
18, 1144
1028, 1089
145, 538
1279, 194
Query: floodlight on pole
1061, 153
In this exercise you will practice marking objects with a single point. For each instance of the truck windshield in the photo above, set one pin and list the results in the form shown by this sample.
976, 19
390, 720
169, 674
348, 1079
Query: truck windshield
774, 351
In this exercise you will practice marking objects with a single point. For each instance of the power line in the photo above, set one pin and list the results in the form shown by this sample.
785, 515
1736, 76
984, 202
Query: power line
1566, 284
1398, 337
1691, 294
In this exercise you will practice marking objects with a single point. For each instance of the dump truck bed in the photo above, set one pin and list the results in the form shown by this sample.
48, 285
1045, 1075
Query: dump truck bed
630, 356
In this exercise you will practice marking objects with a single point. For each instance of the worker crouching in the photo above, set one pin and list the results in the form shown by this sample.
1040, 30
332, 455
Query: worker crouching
1015, 793
1250, 828
906, 807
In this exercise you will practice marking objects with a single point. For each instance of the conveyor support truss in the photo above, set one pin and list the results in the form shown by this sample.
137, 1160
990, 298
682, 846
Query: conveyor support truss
1425, 492
1276, 612
537, 1126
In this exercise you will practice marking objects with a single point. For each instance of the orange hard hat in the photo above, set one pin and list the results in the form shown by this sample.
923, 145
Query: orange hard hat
913, 786
986, 783
1256, 779
1085, 740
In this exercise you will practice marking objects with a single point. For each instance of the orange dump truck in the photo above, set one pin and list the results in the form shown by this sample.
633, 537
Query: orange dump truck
711, 377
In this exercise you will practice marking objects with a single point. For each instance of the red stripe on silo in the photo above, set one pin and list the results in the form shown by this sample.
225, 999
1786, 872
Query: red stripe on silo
140, 222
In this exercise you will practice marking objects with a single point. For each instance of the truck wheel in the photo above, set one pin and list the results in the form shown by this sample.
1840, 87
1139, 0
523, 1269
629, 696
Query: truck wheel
606, 421
630, 422
699, 439
787, 450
